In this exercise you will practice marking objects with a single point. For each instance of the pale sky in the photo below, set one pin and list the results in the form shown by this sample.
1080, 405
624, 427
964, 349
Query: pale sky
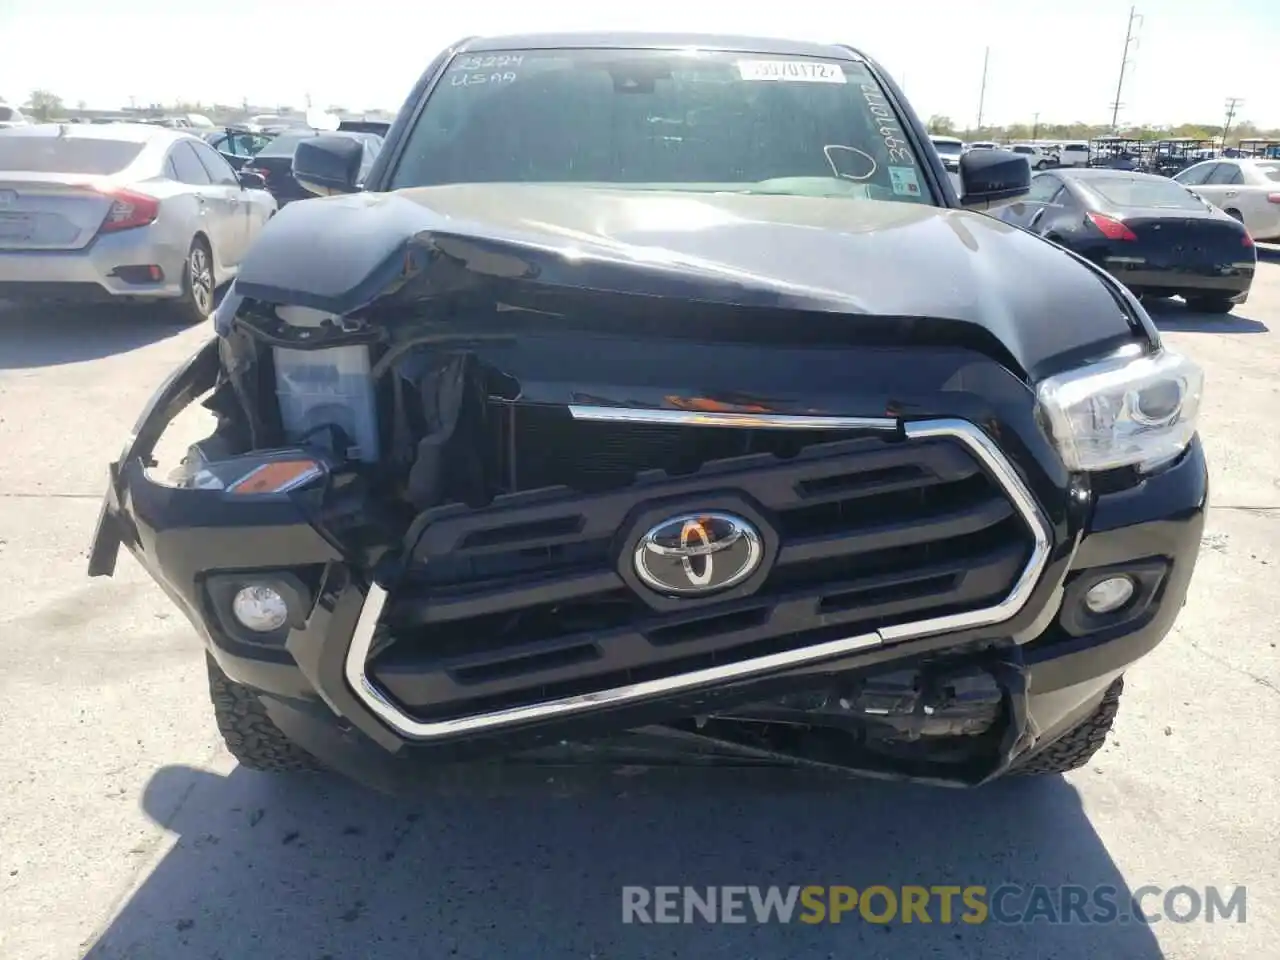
1058, 58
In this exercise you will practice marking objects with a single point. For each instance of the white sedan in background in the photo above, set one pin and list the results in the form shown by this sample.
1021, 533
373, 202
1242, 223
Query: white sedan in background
122, 213
1249, 190
11, 117
1037, 157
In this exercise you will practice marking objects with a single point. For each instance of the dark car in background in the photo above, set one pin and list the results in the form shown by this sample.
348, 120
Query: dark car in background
657, 397
274, 162
1152, 234
237, 145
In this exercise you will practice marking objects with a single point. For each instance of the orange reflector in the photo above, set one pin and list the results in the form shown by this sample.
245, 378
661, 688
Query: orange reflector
276, 477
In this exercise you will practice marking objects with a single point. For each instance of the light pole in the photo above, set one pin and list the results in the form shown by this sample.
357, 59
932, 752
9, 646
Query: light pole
1232, 104
982, 93
1124, 63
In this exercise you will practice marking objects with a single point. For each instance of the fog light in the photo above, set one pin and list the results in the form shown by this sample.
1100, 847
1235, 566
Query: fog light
1109, 595
260, 608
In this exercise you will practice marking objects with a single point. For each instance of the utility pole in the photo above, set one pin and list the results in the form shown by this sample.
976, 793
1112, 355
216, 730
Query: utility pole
1130, 39
982, 93
1232, 104
1035, 125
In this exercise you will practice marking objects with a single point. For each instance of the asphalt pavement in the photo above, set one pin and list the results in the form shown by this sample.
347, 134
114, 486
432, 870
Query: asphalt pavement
127, 833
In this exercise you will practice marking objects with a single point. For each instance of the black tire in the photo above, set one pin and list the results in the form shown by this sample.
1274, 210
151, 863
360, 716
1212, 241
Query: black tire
1235, 215
250, 735
196, 303
1078, 745
1210, 304
1157, 293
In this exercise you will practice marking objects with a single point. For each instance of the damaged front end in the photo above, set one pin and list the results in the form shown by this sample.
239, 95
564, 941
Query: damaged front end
470, 510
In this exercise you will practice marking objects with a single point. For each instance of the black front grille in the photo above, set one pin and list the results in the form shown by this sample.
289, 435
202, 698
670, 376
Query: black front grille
527, 598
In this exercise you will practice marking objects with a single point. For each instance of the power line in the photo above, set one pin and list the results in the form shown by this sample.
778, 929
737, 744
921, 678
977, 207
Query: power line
1130, 39
1232, 104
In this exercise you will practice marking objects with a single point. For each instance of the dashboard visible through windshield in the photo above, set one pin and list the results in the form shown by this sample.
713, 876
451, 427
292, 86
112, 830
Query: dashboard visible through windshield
663, 120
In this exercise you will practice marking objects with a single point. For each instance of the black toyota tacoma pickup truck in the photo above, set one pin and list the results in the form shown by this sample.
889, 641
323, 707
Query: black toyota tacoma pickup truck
657, 399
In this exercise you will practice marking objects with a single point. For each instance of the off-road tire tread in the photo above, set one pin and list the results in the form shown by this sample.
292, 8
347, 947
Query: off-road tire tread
250, 735
1077, 747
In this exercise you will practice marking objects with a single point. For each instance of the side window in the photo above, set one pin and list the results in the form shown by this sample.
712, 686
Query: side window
1226, 173
1193, 176
187, 166
170, 170
220, 171
1065, 199
1043, 189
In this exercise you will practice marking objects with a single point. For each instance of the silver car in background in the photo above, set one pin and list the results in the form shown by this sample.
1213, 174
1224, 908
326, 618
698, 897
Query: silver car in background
122, 212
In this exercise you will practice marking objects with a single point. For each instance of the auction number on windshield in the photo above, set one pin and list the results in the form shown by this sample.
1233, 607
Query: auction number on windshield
801, 71
493, 62
886, 125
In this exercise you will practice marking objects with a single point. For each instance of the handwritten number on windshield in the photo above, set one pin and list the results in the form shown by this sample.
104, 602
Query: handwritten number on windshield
887, 125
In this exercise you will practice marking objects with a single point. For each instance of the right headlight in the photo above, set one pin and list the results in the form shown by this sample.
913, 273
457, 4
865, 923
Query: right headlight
1123, 412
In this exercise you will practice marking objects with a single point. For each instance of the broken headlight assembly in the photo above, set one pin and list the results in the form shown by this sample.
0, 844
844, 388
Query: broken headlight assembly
258, 473
1126, 411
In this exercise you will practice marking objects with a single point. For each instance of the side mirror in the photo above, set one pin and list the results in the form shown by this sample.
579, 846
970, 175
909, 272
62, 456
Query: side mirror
328, 165
993, 176
252, 181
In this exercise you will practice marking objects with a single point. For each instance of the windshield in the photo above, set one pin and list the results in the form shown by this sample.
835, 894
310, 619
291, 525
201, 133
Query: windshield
1135, 192
949, 147
1022, 149
641, 119
45, 154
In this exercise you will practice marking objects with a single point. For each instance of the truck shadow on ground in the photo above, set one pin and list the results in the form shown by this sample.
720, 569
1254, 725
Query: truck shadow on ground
533, 865
1174, 316
49, 336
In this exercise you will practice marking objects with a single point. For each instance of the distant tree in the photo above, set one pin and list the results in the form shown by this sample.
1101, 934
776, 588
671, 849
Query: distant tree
81, 105
941, 125
1196, 131
44, 104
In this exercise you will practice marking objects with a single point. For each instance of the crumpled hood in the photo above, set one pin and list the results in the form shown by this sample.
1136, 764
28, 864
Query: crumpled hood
845, 256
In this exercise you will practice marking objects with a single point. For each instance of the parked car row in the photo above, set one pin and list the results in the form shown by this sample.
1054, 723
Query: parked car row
1168, 217
1039, 155
101, 213
1151, 233
129, 212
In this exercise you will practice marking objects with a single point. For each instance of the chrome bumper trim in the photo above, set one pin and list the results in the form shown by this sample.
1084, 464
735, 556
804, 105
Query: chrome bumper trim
746, 421
985, 449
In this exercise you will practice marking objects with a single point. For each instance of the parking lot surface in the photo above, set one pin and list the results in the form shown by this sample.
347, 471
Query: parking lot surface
127, 833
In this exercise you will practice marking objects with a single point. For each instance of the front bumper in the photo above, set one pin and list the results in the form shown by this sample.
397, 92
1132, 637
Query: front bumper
317, 687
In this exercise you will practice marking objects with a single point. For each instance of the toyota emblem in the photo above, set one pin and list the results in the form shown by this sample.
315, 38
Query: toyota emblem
698, 553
